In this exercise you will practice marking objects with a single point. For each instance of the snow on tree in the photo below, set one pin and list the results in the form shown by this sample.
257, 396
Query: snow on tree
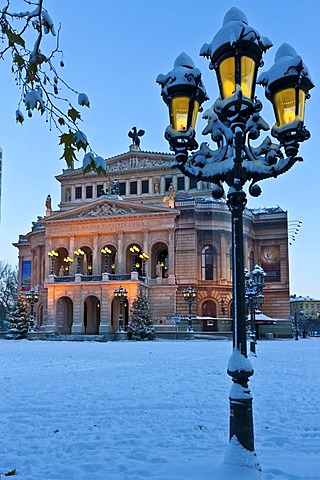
23, 34
141, 321
8, 291
19, 319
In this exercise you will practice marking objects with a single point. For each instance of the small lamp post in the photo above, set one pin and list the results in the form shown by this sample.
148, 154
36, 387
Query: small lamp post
144, 257
134, 250
234, 120
254, 284
68, 261
121, 294
222, 307
189, 294
53, 254
79, 253
106, 252
32, 297
297, 316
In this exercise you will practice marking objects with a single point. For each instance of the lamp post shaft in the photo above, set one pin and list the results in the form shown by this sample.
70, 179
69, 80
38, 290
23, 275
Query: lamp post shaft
241, 418
120, 315
253, 326
190, 326
236, 203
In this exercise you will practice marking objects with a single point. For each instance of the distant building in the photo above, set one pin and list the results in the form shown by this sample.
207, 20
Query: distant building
305, 311
143, 202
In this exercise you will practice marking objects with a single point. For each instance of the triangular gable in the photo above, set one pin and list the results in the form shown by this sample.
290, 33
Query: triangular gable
105, 207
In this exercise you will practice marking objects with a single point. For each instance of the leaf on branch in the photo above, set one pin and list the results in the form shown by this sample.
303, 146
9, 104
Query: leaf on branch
81, 140
83, 100
14, 38
74, 114
10, 473
19, 116
18, 60
67, 139
61, 121
93, 164
69, 155
33, 99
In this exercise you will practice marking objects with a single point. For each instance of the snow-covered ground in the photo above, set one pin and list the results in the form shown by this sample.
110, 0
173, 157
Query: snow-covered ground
138, 410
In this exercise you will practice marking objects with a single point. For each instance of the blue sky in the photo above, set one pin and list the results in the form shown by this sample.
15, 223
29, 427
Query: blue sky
113, 51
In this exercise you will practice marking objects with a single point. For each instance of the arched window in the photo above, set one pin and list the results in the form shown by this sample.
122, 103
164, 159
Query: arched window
208, 263
209, 308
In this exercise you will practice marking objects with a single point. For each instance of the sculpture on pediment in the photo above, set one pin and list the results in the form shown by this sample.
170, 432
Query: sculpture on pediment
135, 134
106, 210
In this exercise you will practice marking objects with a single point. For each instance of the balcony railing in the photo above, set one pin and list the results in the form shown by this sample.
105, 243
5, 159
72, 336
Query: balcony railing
118, 277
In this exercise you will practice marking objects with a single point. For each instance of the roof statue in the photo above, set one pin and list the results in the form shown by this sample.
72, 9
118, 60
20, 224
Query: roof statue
48, 205
135, 134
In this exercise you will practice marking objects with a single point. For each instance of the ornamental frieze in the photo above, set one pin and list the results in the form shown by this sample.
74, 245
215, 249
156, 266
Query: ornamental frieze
106, 210
137, 162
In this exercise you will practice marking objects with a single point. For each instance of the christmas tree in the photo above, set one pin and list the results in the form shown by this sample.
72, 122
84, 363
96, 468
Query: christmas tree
141, 322
19, 319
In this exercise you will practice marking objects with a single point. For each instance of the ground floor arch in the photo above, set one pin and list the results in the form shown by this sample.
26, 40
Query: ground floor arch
64, 315
91, 315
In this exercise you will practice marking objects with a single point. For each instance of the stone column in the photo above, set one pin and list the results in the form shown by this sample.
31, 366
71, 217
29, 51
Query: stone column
77, 325
171, 250
120, 254
223, 275
96, 264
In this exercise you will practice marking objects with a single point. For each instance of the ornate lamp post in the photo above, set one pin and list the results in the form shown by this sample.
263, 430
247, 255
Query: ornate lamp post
68, 261
32, 297
189, 294
79, 253
106, 252
134, 250
52, 255
233, 122
144, 257
121, 294
254, 283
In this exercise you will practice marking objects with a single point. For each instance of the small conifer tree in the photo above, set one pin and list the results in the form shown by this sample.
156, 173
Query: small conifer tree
141, 321
19, 319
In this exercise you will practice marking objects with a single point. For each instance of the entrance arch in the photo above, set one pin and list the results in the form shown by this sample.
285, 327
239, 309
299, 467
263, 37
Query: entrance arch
91, 315
64, 315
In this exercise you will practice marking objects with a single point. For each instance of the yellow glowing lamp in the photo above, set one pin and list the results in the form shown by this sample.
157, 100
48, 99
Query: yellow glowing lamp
183, 92
106, 251
183, 113
287, 84
237, 67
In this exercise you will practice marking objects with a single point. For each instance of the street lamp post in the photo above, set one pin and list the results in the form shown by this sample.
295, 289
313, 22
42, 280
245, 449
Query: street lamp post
233, 122
79, 253
52, 255
32, 297
134, 250
68, 261
144, 257
189, 294
106, 252
296, 327
254, 283
121, 294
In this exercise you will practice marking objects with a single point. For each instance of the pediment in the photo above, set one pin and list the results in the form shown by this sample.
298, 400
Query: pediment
106, 207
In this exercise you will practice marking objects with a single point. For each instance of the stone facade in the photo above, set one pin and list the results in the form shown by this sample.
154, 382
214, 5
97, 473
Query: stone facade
173, 219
